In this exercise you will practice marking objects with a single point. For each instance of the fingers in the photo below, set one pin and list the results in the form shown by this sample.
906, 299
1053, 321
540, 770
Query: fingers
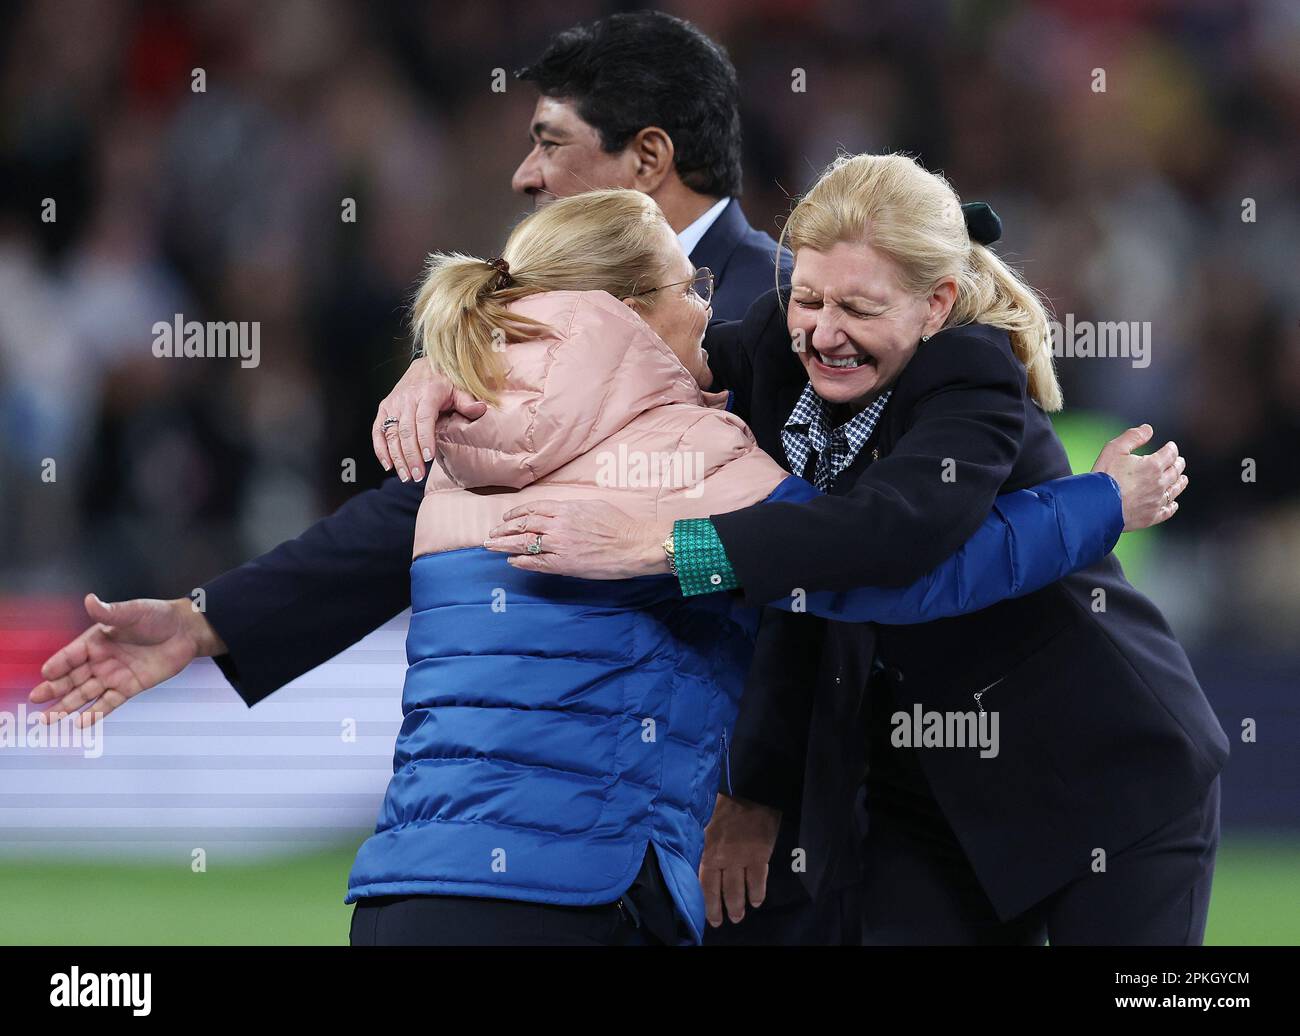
426, 422
516, 534
733, 893
1166, 455
58, 687
107, 702
393, 441
71, 702
67, 658
546, 508
1125, 443
1168, 506
116, 616
378, 442
104, 688
1172, 474
756, 884
101, 611
467, 406
516, 543
711, 884
1163, 514
408, 443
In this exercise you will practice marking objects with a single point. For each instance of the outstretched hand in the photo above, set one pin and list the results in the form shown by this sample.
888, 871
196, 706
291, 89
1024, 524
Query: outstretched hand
132, 646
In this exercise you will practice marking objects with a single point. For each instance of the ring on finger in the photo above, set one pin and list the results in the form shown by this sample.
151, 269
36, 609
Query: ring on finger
390, 422
536, 546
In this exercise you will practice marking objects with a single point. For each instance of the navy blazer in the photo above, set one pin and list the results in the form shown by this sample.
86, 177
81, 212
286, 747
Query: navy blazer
1105, 732
743, 261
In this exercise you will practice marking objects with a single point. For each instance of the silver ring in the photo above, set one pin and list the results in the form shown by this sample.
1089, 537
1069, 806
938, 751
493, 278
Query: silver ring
389, 422
536, 546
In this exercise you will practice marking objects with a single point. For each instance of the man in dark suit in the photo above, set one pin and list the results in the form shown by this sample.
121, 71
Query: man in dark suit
641, 100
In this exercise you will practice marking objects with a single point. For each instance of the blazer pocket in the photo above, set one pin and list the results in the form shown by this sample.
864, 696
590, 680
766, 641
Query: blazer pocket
1022, 675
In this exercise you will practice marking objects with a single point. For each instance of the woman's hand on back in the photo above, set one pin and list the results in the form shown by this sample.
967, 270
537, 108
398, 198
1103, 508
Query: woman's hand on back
1149, 485
586, 538
403, 433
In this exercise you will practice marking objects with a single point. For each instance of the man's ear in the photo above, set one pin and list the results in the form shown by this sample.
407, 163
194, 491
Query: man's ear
652, 148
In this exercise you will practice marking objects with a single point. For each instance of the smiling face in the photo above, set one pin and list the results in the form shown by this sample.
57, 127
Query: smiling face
566, 157
860, 325
676, 313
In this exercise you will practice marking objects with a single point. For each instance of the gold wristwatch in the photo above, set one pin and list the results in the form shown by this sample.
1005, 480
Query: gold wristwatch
672, 554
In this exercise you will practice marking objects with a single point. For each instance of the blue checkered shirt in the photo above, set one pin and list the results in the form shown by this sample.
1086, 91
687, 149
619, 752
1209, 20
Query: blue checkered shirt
807, 429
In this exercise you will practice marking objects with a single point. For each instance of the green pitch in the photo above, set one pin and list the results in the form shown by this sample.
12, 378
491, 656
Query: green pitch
299, 900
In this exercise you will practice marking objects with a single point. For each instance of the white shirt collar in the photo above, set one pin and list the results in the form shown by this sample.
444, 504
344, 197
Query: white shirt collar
691, 236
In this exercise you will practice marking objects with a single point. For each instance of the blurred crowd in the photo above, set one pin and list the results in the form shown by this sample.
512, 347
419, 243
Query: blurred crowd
129, 195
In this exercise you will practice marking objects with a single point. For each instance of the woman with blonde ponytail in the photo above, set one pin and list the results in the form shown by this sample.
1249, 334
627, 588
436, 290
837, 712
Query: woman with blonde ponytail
907, 372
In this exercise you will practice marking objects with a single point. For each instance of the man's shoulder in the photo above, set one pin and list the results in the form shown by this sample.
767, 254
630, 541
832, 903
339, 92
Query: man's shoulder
758, 254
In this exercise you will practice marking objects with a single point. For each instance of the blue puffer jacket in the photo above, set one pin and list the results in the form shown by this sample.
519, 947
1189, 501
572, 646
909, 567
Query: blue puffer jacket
555, 727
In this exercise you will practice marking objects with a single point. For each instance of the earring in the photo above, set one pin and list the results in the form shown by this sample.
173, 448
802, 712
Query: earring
925, 338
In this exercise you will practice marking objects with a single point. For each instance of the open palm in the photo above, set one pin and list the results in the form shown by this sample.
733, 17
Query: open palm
133, 645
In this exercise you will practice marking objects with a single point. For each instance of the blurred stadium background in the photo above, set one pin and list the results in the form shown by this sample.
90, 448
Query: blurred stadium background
1124, 205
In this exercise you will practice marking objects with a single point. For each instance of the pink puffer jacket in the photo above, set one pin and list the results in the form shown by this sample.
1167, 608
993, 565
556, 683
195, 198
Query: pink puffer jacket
599, 409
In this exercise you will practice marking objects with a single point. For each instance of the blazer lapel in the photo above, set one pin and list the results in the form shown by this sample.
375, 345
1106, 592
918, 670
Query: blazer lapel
720, 241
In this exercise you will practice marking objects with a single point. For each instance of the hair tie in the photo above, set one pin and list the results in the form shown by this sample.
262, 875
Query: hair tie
982, 223
504, 280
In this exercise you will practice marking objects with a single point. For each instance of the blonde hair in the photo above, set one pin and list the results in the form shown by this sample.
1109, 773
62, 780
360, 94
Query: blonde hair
599, 241
914, 216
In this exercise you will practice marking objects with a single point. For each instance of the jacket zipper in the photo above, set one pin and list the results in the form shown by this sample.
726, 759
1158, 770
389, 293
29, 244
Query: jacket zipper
980, 694
726, 762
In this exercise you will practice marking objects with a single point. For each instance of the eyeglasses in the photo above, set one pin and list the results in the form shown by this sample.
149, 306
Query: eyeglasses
701, 284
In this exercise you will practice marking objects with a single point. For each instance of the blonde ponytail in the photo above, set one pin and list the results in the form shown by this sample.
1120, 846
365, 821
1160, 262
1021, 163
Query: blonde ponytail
990, 292
463, 321
611, 240
915, 217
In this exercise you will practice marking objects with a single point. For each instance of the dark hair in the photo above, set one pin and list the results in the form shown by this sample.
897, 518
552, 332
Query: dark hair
629, 71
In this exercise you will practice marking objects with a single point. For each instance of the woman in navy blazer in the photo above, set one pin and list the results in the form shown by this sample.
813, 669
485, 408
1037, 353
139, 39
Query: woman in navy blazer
1097, 819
